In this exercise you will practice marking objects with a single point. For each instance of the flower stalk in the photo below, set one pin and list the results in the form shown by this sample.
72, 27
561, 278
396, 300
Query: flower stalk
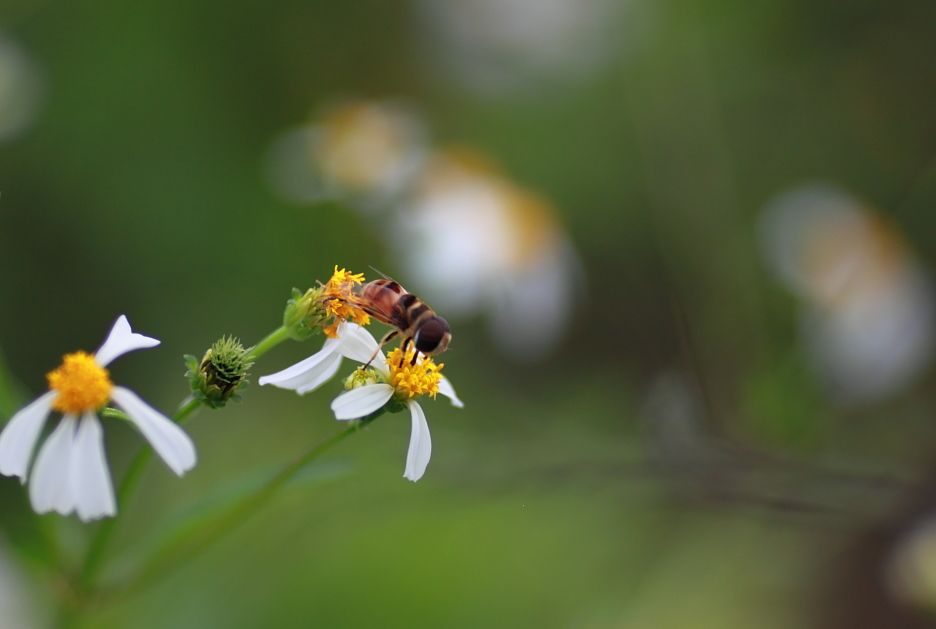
268, 342
71, 475
99, 543
184, 548
98, 546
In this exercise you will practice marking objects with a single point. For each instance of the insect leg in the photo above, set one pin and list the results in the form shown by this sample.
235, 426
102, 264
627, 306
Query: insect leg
403, 347
386, 338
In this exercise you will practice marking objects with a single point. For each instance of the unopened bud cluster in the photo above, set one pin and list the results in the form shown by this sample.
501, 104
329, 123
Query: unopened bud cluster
221, 374
361, 377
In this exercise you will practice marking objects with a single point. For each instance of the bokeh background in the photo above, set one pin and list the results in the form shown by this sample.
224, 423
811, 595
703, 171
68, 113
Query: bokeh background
686, 247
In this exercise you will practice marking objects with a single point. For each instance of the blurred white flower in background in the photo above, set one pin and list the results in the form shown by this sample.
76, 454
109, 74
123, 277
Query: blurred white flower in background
499, 45
477, 242
364, 150
468, 239
868, 306
20, 90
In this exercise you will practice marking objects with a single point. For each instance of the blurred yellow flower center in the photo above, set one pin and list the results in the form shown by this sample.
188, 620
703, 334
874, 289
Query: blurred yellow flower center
361, 145
340, 300
82, 384
410, 380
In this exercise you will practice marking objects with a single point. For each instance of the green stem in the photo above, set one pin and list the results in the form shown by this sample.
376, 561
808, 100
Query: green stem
188, 546
271, 340
128, 485
99, 543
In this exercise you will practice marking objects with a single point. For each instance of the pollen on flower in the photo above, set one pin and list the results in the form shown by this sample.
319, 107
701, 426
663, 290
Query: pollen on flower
410, 380
341, 302
82, 384
342, 278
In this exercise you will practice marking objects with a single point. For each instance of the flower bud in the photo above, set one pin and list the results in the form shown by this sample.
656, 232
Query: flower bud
361, 377
305, 314
221, 374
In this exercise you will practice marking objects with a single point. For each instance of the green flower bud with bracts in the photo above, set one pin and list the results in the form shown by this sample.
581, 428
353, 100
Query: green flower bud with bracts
324, 308
221, 374
305, 314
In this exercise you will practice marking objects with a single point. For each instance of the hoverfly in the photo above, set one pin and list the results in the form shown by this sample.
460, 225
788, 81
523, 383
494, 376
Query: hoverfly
390, 303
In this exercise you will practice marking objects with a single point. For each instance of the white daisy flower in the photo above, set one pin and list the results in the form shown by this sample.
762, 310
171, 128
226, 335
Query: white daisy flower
478, 242
396, 378
70, 473
404, 382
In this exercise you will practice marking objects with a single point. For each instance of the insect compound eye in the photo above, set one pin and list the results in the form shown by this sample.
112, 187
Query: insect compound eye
430, 335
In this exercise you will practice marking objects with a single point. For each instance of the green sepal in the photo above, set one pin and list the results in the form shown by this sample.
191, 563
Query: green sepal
395, 405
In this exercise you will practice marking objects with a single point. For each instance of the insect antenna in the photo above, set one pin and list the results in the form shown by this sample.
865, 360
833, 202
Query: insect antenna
381, 273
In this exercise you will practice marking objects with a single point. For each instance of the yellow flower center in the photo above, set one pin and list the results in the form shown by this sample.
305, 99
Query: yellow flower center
82, 384
410, 380
340, 301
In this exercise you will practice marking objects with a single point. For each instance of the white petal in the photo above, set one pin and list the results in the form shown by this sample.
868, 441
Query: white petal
122, 340
18, 438
359, 345
420, 445
90, 478
169, 441
446, 389
362, 401
327, 371
307, 374
51, 487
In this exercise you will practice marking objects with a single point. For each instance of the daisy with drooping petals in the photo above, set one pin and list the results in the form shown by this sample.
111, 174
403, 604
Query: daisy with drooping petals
350, 341
397, 379
376, 388
70, 473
